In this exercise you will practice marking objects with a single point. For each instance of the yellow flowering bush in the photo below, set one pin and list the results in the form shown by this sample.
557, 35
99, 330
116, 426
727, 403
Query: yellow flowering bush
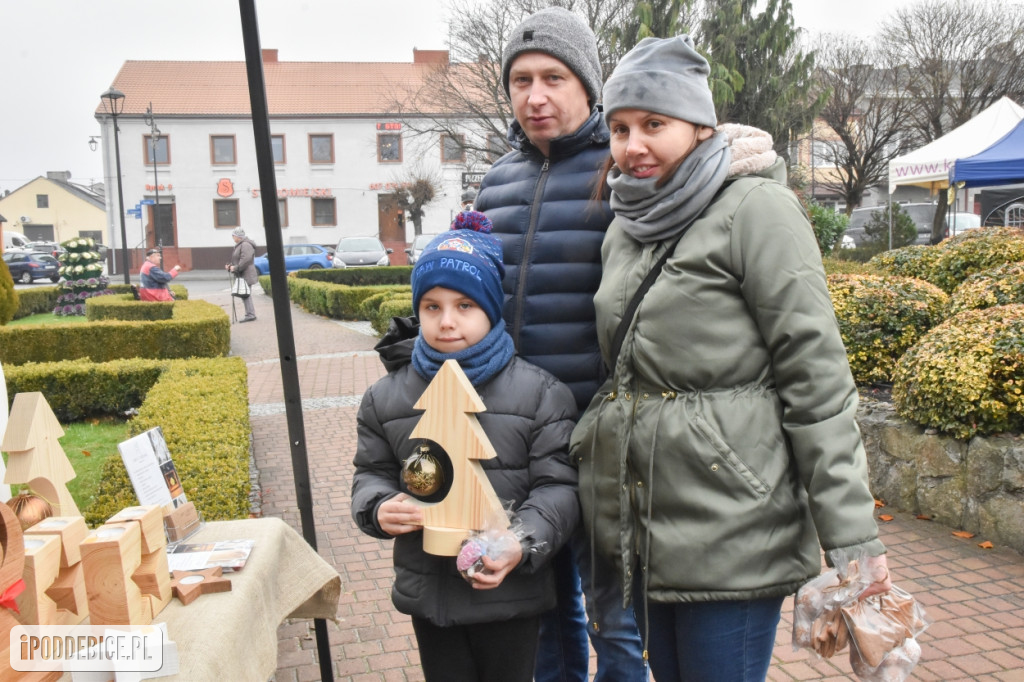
880, 318
965, 376
972, 252
999, 286
910, 261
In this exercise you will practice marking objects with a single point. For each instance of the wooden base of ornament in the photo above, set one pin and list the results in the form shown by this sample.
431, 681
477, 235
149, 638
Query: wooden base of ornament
181, 522
443, 541
110, 557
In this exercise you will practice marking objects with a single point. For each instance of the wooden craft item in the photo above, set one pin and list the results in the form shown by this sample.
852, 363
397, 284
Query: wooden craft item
449, 404
12, 564
188, 585
154, 579
181, 522
34, 453
151, 523
71, 530
42, 565
110, 557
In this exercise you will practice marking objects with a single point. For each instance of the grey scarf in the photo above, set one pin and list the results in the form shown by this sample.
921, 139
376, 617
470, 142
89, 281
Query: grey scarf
650, 214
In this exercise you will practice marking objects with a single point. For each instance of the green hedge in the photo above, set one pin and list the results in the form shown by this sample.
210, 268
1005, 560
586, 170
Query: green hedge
125, 307
359, 277
337, 301
43, 299
201, 404
197, 329
398, 305
965, 377
880, 318
1002, 285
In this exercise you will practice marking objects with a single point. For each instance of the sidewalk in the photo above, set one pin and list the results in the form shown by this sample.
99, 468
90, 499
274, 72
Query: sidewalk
975, 597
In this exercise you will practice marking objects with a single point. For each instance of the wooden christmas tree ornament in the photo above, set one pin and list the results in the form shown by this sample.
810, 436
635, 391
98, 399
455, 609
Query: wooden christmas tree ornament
34, 453
449, 404
110, 557
188, 585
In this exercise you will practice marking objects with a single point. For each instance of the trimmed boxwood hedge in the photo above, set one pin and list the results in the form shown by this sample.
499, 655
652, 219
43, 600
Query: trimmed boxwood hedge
201, 404
197, 329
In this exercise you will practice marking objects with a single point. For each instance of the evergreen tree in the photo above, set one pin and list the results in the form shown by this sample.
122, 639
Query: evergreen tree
8, 296
759, 75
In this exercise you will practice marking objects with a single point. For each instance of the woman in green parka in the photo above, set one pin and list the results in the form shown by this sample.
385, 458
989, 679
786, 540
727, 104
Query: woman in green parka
723, 450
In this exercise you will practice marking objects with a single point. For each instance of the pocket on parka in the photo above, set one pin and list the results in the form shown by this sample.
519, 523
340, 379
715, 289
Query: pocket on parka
754, 483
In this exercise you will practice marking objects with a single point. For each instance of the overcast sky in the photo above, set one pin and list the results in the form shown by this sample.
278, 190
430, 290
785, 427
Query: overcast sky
59, 55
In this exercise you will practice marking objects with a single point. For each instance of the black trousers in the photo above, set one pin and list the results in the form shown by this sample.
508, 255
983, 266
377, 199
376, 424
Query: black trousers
485, 652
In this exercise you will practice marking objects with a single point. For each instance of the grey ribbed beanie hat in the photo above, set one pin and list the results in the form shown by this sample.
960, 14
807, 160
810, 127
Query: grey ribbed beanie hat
666, 76
563, 35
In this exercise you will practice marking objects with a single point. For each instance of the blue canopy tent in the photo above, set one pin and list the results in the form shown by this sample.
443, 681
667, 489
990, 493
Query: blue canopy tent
1000, 164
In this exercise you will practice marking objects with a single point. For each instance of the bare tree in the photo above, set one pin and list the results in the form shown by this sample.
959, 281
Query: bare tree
414, 189
864, 109
962, 56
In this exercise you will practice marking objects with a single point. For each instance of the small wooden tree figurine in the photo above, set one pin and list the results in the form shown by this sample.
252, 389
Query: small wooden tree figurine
450, 403
34, 453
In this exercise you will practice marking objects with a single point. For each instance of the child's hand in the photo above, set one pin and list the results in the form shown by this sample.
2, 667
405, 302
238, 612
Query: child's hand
495, 570
397, 516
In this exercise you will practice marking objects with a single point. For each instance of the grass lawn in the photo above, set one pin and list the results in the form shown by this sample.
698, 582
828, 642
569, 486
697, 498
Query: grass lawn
48, 318
87, 444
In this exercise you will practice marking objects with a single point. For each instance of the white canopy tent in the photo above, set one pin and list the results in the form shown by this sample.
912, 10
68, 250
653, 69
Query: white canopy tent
929, 166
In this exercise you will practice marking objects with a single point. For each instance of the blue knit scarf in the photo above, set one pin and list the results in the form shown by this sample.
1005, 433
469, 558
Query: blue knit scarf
480, 362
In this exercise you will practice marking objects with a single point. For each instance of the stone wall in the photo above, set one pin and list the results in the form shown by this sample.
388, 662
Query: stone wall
975, 485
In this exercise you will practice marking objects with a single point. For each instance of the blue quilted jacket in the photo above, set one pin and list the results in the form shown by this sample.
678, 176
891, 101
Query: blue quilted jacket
551, 232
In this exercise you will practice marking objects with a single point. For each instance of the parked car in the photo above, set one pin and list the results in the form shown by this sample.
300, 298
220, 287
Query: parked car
961, 222
299, 257
52, 248
360, 252
922, 214
26, 267
418, 244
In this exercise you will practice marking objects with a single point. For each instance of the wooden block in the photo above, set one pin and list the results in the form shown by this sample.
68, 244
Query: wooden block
188, 585
68, 592
71, 529
151, 523
110, 556
42, 564
154, 579
181, 522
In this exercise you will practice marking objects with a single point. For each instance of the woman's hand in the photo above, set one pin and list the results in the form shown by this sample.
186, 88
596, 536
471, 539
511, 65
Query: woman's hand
878, 570
495, 570
398, 516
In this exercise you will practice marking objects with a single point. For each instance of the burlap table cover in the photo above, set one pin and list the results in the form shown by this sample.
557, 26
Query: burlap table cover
233, 635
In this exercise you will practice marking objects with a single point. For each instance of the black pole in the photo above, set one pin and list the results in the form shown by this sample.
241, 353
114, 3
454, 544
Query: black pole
282, 305
120, 204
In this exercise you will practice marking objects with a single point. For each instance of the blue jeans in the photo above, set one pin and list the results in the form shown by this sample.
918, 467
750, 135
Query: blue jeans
721, 641
563, 655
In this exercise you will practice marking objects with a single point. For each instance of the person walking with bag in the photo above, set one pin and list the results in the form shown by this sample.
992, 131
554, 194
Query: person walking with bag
243, 267
723, 449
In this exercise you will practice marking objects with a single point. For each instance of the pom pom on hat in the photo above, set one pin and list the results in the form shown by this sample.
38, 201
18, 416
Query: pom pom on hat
466, 259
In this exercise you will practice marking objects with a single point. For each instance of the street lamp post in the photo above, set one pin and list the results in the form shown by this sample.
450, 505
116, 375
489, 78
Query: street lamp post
154, 142
113, 104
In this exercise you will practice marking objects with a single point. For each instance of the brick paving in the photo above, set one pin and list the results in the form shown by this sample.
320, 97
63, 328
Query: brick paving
974, 596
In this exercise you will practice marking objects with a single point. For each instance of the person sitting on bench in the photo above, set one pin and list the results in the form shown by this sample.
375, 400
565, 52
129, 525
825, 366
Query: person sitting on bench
155, 282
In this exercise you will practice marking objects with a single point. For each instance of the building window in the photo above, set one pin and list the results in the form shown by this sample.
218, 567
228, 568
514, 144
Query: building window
496, 147
282, 211
321, 148
277, 145
389, 148
163, 149
453, 148
821, 155
222, 149
324, 214
42, 201
225, 213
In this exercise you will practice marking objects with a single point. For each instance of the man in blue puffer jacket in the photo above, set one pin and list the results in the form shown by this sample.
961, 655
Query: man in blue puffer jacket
539, 198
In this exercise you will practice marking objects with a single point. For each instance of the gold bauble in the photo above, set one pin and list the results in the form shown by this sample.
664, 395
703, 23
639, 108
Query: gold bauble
422, 472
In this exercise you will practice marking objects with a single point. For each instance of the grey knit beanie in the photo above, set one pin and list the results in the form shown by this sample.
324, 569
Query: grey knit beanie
563, 35
666, 76
238, 232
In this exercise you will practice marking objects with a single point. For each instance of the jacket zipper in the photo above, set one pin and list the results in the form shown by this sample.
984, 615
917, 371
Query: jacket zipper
524, 260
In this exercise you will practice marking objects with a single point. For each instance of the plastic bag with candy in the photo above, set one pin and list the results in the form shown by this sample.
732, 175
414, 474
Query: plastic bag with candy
881, 630
502, 534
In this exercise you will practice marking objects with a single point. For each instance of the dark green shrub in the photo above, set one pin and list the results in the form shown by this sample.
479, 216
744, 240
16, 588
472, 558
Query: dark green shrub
829, 225
8, 295
398, 305
1002, 285
880, 318
125, 307
965, 377
904, 231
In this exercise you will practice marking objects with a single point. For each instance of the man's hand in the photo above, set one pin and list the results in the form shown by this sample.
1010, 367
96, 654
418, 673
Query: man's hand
398, 516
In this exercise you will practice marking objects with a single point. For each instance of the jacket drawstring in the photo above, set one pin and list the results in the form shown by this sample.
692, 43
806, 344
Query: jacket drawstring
593, 495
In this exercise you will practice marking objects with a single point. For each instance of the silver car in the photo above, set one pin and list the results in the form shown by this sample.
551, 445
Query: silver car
360, 252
